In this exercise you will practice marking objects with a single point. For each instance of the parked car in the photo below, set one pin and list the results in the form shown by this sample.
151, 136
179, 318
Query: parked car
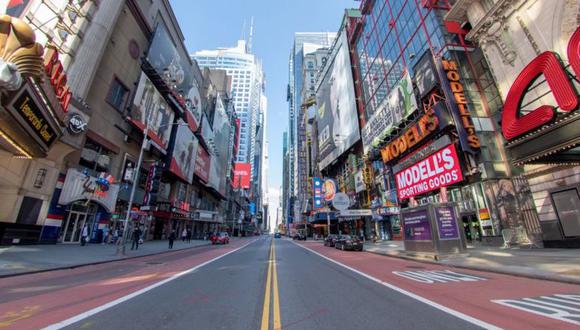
348, 242
220, 238
330, 240
277, 235
299, 237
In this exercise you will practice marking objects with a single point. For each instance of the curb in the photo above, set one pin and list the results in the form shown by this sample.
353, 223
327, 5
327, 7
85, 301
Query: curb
553, 278
97, 262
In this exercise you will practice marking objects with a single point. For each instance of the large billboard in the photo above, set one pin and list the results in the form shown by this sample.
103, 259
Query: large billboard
336, 113
174, 66
438, 170
242, 175
150, 108
399, 104
202, 164
221, 142
184, 153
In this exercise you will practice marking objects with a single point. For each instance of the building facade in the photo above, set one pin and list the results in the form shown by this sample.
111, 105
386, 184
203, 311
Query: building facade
515, 36
312, 41
425, 87
414, 66
113, 71
247, 83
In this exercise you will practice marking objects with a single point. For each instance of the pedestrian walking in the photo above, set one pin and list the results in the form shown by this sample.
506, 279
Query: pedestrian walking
115, 235
84, 235
189, 235
171, 238
105, 231
136, 236
183, 234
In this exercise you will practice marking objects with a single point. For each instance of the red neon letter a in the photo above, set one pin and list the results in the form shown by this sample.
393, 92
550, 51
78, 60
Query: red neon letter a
548, 64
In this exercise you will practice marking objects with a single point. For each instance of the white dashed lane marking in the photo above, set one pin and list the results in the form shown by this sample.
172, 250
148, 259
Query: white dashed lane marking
563, 307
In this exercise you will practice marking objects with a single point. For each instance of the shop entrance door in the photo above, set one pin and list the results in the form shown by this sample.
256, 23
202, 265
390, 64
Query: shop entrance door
73, 226
471, 227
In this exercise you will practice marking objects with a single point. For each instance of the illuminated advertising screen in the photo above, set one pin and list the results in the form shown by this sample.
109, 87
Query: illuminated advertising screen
440, 169
150, 108
242, 175
221, 141
175, 67
184, 153
397, 106
336, 113
202, 164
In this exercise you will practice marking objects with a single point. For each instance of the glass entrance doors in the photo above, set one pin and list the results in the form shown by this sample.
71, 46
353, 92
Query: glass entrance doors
73, 226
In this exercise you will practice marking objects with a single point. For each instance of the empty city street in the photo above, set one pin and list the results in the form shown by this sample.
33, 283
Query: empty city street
265, 283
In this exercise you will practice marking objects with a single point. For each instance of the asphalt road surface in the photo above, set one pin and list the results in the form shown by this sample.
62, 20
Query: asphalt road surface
270, 283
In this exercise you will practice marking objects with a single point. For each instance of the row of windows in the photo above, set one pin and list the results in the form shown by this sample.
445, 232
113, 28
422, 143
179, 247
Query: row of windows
391, 42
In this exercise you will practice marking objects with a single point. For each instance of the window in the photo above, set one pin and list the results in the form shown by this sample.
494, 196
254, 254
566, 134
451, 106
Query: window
95, 158
118, 93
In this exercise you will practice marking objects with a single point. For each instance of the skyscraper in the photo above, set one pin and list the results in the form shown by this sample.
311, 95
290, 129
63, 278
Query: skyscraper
310, 40
247, 91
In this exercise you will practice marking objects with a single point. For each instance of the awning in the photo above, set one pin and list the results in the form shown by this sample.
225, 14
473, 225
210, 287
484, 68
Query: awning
323, 217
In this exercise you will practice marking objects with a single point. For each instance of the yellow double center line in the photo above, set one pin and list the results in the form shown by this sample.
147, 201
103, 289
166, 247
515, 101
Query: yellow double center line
271, 286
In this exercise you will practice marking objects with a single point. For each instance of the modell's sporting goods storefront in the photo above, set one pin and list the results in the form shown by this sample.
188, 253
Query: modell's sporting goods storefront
541, 123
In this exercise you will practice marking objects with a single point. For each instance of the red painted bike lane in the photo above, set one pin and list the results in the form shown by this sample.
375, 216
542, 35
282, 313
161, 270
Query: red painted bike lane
500, 300
43, 299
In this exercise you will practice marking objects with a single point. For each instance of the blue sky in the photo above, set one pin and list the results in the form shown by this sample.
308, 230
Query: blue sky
208, 24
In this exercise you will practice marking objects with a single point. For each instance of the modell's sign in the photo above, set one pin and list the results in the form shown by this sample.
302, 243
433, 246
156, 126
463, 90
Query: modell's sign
458, 91
514, 124
441, 169
411, 137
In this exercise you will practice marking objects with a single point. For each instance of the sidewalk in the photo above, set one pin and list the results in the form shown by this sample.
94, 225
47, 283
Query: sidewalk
561, 265
15, 260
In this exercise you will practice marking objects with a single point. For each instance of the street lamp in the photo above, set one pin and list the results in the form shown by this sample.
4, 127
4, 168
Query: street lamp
121, 246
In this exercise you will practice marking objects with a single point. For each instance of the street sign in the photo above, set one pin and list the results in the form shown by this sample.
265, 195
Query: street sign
356, 213
341, 201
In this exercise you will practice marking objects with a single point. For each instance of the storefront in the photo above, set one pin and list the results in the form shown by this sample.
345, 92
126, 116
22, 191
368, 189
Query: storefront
545, 141
387, 223
34, 101
320, 222
87, 201
356, 222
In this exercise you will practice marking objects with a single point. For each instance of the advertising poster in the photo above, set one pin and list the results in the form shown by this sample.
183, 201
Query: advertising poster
336, 112
440, 169
317, 191
425, 74
202, 164
397, 106
174, 66
329, 189
221, 139
242, 174
359, 184
149, 107
446, 223
184, 153
416, 225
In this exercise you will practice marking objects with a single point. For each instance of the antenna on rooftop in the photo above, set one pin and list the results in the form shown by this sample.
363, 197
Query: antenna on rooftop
251, 35
243, 36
